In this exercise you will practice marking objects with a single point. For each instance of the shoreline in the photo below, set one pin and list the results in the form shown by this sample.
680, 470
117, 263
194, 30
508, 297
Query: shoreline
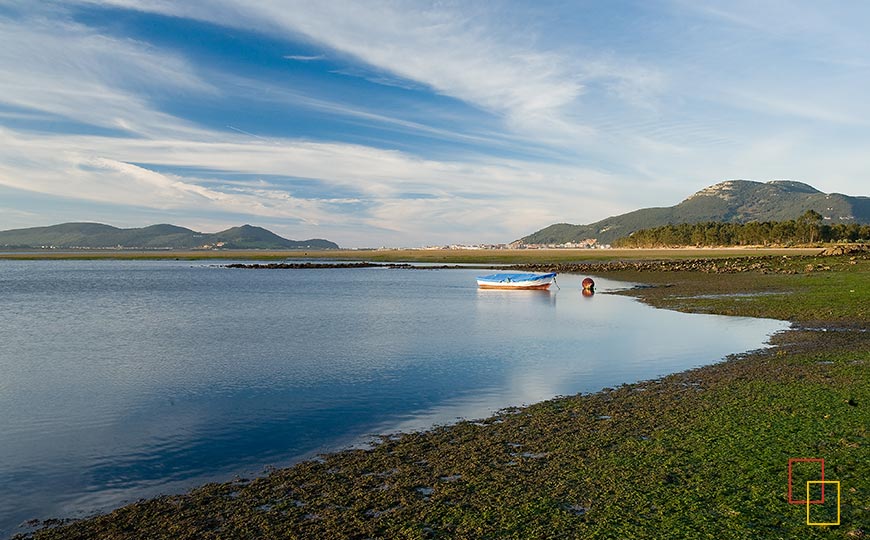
631, 460
516, 256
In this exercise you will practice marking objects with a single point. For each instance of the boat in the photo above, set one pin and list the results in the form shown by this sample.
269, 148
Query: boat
516, 281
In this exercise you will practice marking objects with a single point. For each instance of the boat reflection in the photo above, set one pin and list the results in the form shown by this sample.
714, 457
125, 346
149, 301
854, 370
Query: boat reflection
497, 296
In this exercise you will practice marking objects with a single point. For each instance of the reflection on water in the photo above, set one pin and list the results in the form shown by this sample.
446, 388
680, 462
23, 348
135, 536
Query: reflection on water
497, 297
122, 380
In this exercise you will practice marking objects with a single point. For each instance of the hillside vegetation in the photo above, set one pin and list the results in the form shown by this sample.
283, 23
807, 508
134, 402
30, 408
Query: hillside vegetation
733, 201
807, 229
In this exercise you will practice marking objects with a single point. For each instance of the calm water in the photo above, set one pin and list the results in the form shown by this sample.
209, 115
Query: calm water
120, 380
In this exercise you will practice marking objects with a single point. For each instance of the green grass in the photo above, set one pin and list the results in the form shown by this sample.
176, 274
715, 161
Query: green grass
699, 454
821, 289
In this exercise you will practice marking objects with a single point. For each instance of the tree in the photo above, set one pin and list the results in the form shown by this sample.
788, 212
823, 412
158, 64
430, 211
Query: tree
809, 224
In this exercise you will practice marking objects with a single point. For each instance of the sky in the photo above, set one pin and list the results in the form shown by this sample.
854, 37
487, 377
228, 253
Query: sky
405, 123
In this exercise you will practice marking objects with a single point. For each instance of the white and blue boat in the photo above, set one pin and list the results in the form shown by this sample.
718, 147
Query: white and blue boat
516, 281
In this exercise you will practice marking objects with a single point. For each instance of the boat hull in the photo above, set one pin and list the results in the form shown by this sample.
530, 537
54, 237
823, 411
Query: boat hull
516, 282
543, 287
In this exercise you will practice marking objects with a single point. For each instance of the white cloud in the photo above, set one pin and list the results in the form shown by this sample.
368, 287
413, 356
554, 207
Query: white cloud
791, 106
303, 58
86, 169
457, 52
64, 69
281, 96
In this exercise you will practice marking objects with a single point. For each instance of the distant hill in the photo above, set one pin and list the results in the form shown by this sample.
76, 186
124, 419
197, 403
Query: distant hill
732, 201
97, 236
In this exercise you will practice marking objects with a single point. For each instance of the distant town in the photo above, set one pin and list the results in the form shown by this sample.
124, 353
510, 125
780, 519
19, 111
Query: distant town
589, 243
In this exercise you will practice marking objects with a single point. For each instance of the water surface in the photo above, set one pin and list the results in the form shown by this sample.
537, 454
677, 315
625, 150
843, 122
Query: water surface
126, 379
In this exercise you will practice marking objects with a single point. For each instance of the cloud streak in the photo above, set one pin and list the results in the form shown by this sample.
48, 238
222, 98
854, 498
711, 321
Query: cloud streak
303, 58
65, 70
453, 52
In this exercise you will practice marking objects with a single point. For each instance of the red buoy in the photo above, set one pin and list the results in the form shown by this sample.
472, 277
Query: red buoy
588, 284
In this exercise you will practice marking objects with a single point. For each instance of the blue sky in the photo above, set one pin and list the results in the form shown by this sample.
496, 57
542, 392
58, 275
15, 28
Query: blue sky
410, 123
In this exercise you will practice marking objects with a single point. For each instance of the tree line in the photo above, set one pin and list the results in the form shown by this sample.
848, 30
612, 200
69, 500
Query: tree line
807, 229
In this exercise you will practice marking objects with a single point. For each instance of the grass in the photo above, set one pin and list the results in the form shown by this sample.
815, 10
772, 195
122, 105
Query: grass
823, 290
699, 454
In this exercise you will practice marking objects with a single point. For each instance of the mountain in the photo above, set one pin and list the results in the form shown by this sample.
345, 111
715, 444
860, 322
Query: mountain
732, 201
97, 236
250, 237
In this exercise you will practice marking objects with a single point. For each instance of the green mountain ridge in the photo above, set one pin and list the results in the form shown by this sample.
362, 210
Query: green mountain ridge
731, 201
162, 236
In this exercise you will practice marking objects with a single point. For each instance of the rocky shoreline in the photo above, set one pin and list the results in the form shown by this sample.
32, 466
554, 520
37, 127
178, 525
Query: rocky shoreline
732, 265
303, 266
308, 265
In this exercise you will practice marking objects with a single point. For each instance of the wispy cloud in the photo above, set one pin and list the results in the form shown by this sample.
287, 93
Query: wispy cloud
303, 58
795, 107
56, 67
377, 78
454, 52
281, 96
459, 51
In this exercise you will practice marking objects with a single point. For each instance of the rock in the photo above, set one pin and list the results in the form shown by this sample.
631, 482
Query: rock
845, 250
